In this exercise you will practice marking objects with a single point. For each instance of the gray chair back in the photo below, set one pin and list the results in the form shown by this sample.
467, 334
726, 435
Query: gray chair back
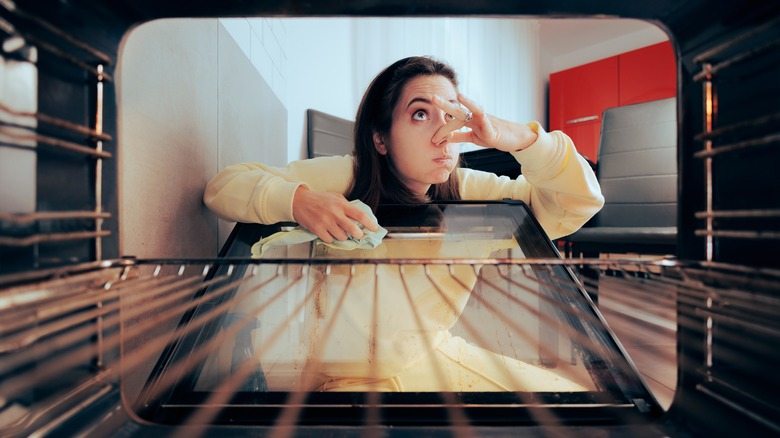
328, 135
637, 165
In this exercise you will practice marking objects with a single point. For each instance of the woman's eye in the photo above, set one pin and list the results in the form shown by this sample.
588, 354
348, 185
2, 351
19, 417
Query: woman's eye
449, 116
420, 115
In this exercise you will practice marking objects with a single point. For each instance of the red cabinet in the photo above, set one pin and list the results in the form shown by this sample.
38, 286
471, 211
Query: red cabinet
647, 74
579, 96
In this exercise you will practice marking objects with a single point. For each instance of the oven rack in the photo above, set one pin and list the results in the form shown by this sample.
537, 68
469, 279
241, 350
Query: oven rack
731, 225
64, 150
66, 334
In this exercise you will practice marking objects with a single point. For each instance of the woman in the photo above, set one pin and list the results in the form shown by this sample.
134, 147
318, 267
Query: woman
406, 151
407, 135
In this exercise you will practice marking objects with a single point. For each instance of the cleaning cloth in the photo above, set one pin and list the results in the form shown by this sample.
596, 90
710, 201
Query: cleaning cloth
370, 239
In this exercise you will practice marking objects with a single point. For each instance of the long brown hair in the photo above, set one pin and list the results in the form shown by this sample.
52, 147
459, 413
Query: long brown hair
375, 178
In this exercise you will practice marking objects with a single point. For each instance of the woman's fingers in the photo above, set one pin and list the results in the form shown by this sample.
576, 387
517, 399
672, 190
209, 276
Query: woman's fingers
344, 227
457, 116
445, 131
455, 110
464, 112
329, 215
474, 107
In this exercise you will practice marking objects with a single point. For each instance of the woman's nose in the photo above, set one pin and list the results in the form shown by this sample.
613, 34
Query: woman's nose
442, 133
444, 118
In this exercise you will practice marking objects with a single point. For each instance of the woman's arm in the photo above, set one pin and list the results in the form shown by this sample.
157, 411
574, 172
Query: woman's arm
557, 183
256, 193
309, 192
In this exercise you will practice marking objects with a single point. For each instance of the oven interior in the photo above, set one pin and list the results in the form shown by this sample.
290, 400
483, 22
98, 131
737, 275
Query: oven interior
95, 344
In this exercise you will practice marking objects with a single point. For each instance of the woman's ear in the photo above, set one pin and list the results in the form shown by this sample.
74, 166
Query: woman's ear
379, 144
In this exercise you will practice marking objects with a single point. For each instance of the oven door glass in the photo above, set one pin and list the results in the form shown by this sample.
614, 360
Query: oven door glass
465, 310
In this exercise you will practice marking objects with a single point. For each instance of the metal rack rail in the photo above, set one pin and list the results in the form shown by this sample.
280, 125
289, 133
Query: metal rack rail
35, 50
744, 58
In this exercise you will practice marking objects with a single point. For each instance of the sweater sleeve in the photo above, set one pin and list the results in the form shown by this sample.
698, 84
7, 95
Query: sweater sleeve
256, 193
557, 184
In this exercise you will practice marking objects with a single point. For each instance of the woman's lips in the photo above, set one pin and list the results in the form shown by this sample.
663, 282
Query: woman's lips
446, 159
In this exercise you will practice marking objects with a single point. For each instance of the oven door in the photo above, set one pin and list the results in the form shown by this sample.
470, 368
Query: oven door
464, 315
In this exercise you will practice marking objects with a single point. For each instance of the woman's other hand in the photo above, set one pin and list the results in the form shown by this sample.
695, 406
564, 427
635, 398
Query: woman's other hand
486, 130
329, 215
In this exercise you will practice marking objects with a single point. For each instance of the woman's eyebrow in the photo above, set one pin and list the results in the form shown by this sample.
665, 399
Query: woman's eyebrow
418, 99
424, 100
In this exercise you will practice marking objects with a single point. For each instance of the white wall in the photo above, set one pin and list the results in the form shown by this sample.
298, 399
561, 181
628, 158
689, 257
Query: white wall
320, 74
264, 42
333, 60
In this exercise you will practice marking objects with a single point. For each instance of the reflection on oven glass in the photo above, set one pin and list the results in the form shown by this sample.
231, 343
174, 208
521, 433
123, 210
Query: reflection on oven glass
399, 327
404, 328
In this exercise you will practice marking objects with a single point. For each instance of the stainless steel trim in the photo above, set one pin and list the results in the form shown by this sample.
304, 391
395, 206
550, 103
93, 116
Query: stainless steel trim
11, 7
37, 42
57, 122
99, 163
758, 122
26, 218
771, 235
51, 237
739, 321
99, 204
768, 213
765, 140
51, 141
710, 115
708, 54
736, 59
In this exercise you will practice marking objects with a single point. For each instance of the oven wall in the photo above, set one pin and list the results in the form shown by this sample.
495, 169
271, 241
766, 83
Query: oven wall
188, 106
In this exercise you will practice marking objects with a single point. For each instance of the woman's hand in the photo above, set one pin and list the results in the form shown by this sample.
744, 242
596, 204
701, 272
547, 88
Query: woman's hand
329, 215
486, 130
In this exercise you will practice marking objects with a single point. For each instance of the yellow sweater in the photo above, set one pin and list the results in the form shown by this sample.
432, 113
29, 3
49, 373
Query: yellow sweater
557, 184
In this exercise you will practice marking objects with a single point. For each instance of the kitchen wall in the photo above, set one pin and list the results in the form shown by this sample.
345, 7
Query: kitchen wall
190, 102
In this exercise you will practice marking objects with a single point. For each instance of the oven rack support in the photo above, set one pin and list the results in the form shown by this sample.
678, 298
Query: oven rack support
749, 56
54, 142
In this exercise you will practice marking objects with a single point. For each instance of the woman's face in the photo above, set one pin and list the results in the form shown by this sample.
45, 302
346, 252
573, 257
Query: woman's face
418, 160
